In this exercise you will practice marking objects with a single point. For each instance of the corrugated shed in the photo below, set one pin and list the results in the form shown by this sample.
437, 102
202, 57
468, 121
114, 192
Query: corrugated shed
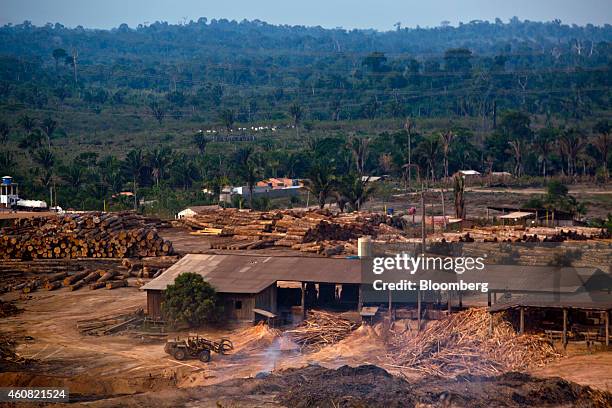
252, 274
597, 300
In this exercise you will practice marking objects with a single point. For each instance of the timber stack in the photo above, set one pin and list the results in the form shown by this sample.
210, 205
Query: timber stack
525, 234
89, 235
317, 231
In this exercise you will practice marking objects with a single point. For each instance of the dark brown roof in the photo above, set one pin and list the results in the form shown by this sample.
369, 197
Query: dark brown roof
252, 274
591, 300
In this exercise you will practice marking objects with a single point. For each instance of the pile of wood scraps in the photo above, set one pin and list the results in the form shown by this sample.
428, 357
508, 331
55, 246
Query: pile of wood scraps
102, 326
9, 358
87, 235
461, 344
322, 329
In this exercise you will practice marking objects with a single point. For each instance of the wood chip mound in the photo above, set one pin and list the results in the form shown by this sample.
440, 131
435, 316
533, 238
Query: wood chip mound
461, 344
321, 329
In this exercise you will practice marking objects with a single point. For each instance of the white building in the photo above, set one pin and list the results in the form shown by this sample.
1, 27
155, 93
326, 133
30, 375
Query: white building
9, 192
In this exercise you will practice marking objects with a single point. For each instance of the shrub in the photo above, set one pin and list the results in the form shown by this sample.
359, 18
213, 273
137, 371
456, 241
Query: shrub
190, 300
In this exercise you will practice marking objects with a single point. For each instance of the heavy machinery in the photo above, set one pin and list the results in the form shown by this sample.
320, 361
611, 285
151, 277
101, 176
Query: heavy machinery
197, 347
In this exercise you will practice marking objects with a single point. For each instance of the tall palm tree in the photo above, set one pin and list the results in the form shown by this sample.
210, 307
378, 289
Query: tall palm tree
46, 160
158, 160
446, 138
571, 145
543, 145
352, 189
27, 123
201, 142
74, 175
321, 180
132, 165
602, 143
227, 118
430, 147
517, 148
296, 113
5, 129
360, 148
7, 161
248, 167
185, 171
48, 126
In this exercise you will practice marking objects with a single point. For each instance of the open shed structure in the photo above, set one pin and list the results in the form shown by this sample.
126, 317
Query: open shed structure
582, 315
255, 288
247, 284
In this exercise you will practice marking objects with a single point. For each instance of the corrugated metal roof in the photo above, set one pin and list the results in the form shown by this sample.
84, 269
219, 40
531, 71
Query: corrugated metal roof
593, 300
516, 215
252, 274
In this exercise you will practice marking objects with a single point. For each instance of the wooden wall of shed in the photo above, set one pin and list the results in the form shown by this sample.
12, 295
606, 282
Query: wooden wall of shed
229, 306
267, 299
154, 301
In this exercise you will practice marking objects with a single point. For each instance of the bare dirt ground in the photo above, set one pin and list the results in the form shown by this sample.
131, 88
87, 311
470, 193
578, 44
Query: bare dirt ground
103, 371
597, 201
47, 335
9, 215
594, 370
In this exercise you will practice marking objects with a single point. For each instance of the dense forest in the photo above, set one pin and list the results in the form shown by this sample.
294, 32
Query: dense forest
174, 108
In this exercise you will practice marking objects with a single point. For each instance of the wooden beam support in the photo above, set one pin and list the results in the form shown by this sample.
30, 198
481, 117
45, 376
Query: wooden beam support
564, 328
607, 329
419, 308
449, 296
360, 298
522, 321
303, 300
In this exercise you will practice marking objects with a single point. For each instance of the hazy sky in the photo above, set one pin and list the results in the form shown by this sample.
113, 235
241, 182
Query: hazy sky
379, 14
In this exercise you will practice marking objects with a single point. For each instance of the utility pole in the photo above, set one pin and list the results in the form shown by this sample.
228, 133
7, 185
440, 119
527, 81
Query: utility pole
443, 209
75, 54
423, 233
408, 127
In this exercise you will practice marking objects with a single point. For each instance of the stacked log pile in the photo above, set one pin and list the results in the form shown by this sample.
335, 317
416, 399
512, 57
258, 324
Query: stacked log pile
317, 231
106, 325
51, 274
89, 235
321, 329
525, 234
461, 344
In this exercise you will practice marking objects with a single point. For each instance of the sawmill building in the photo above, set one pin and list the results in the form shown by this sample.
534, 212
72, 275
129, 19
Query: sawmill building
253, 286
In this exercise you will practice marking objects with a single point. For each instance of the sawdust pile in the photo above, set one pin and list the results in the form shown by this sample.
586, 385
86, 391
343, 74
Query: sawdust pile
363, 346
461, 344
260, 335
